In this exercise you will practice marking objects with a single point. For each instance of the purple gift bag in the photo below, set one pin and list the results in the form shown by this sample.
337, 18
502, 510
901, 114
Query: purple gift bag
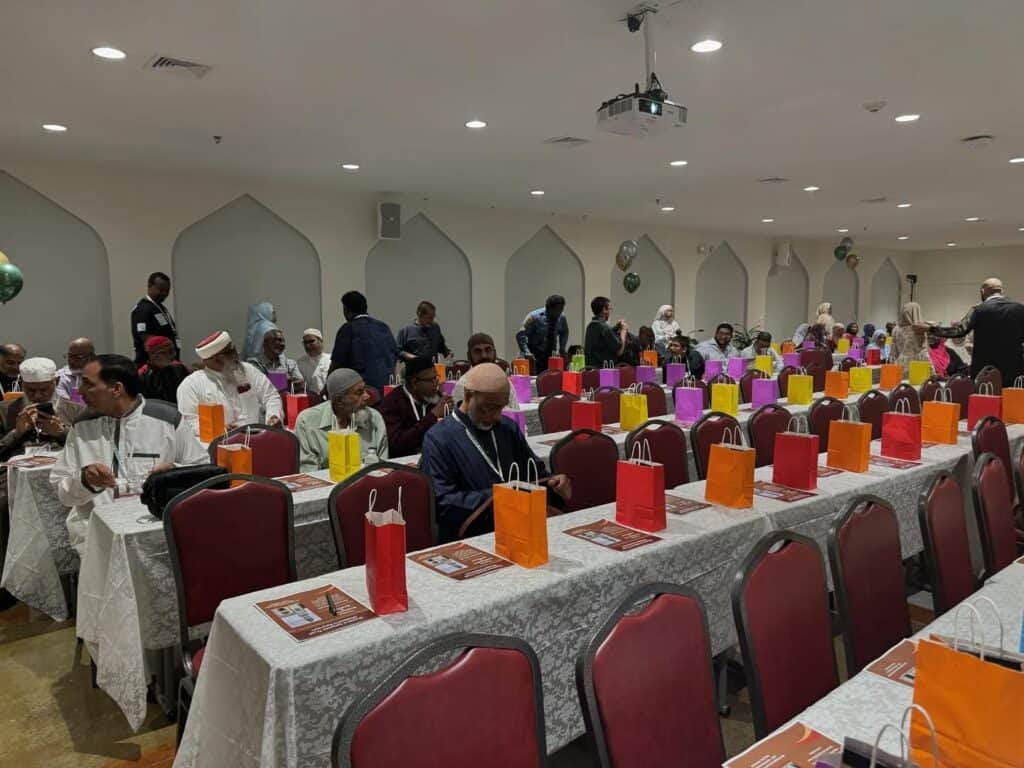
279, 380
857, 342
646, 374
76, 396
764, 392
856, 353
689, 404
519, 417
609, 377
521, 384
711, 369
791, 359
737, 367
674, 373
448, 387
808, 345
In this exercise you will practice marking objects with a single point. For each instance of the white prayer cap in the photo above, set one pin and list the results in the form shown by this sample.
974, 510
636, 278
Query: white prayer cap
312, 332
38, 370
486, 377
212, 344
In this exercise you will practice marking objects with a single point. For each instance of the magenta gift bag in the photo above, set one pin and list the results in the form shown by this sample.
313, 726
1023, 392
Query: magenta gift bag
791, 359
609, 377
646, 374
448, 387
522, 386
809, 345
856, 353
711, 369
279, 380
519, 417
674, 373
737, 367
689, 404
764, 392
857, 342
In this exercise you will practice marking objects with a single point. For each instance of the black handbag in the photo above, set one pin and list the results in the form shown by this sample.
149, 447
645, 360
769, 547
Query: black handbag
161, 487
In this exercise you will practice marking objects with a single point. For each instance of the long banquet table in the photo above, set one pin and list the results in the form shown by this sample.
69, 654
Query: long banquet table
265, 700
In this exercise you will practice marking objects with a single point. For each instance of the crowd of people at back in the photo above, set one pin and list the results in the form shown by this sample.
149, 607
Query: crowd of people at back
119, 419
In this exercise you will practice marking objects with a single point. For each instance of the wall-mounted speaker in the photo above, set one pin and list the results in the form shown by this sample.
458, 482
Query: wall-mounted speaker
389, 221
784, 255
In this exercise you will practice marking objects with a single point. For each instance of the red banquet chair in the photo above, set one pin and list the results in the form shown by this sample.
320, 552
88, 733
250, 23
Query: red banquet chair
590, 460
817, 362
783, 379
224, 542
668, 448
555, 412
549, 383
609, 398
655, 399
867, 573
275, 451
905, 392
991, 375
781, 586
947, 551
961, 387
822, 413
747, 383
993, 508
627, 375
767, 421
460, 367
350, 501
847, 363
707, 430
646, 684
872, 407
485, 707
590, 378
930, 387
373, 396
990, 436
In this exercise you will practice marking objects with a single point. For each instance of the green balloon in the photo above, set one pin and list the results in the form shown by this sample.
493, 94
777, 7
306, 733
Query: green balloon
631, 282
11, 281
840, 252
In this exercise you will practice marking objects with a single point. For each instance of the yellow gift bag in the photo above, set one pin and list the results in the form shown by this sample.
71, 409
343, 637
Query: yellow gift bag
919, 372
764, 363
632, 408
521, 519
776, 347
800, 389
730, 480
343, 451
940, 418
1013, 402
890, 376
837, 384
860, 379
725, 398
211, 421
849, 443
843, 346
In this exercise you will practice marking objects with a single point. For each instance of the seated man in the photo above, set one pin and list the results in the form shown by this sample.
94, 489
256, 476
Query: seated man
162, 374
247, 395
679, 351
80, 352
115, 445
272, 360
346, 408
11, 357
410, 410
467, 453
763, 346
480, 349
315, 364
720, 347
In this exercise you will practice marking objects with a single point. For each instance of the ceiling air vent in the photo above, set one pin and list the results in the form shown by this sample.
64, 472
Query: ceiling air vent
177, 66
567, 141
772, 180
875, 200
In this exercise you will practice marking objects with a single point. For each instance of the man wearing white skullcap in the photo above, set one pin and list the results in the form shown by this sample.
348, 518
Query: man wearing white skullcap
247, 395
474, 448
315, 364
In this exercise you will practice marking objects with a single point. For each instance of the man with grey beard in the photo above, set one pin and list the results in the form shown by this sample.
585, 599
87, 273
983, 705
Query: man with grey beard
247, 395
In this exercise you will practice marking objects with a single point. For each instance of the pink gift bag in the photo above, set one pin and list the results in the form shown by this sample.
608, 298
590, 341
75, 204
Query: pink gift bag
609, 377
808, 345
856, 353
448, 387
674, 373
689, 404
279, 380
764, 392
646, 374
737, 367
519, 417
521, 384
711, 369
791, 359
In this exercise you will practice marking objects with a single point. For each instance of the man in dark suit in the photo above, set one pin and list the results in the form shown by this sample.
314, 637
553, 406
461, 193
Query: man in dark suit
413, 408
998, 326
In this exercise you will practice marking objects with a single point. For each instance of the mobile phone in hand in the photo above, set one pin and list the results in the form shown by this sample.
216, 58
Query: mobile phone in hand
46, 408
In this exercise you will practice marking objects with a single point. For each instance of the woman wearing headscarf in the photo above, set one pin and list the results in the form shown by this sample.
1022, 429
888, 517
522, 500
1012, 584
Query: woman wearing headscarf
665, 328
261, 318
852, 330
878, 342
945, 361
824, 317
908, 339
869, 332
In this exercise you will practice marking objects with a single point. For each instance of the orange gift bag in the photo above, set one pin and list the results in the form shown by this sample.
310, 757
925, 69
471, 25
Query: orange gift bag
521, 519
236, 458
837, 384
384, 537
940, 418
640, 491
730, 480
649, 357
1013, 402
890, 376
520, 366
849, 443
211, 421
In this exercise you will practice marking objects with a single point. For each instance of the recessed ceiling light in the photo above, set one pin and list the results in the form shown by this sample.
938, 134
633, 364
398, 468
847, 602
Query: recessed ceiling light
350, 166
1020, 229
951, 245
1016, 160
476, 124
767, 221
842, 229
903, 237
668, 208
973, 218
106, 52
536, 192
706, 46
906, 118
54, 127
811, 189
678, 163
903, 205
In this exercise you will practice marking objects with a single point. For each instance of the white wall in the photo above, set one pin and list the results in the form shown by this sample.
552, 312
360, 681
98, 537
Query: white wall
948, 280
139, 216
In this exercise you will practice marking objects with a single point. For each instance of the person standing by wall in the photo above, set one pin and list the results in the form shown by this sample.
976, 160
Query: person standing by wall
540, 329
364, 344
423, 338
150, 317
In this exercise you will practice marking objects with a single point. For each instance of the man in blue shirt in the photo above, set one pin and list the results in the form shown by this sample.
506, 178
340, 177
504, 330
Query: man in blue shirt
536, 338
364, 344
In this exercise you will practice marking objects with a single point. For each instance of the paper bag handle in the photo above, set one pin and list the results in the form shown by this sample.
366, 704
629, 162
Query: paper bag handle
799, 419
986, 388
513, 467
848, 411
639, 450
878, 738
903, 406
732, 436
931, 727
531, 464
906, 401
995, 612
1018, 383
588, 394
942, 394
956, 628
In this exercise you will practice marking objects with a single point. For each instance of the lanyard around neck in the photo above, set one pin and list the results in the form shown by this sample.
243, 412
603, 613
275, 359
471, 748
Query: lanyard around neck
412, 402
480, 449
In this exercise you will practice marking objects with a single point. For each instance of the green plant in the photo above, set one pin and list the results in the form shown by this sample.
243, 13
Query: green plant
744, 337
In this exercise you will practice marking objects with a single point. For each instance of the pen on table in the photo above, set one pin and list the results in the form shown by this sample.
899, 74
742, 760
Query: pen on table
331, 606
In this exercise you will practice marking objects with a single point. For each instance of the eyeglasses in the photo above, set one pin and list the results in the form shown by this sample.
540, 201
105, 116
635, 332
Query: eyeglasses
432, 380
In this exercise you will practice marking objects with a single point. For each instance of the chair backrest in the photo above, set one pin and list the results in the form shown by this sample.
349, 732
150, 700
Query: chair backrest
275, 451
646, 684
766, 422
872, 407
668, 447
655, 398
781, 586
490, 695
459, 367
503, 364
867, 574
707, 431
609, 398
225, 543
993, 507
627, 375
555, 412
906, 392
373, 395
721, 378
784, 375
589, 459
697, 384
961, 387
747, 383
350, 501
929, 388
847, 363
822, 413
818, 362
947, 551
990, 436
549, 383
991, 375
590, 377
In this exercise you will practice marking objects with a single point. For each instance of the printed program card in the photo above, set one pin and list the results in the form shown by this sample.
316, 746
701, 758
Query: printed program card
315, 612
611, 535
459, 561
798, 746
891, 463
677, 505
302, 482
780, 492
898, 664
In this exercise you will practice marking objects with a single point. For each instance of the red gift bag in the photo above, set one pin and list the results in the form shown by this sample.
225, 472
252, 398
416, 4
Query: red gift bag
640, 491
385, 558
901, 433
556, 363
873, 357
983, 404
796, 456
572, 382
293, 406
586, 414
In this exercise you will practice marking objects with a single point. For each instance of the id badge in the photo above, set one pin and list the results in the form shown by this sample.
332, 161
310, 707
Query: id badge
160, 318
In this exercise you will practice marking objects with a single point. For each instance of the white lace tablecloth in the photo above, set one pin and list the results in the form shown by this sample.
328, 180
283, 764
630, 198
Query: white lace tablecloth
264, 700
38, 551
